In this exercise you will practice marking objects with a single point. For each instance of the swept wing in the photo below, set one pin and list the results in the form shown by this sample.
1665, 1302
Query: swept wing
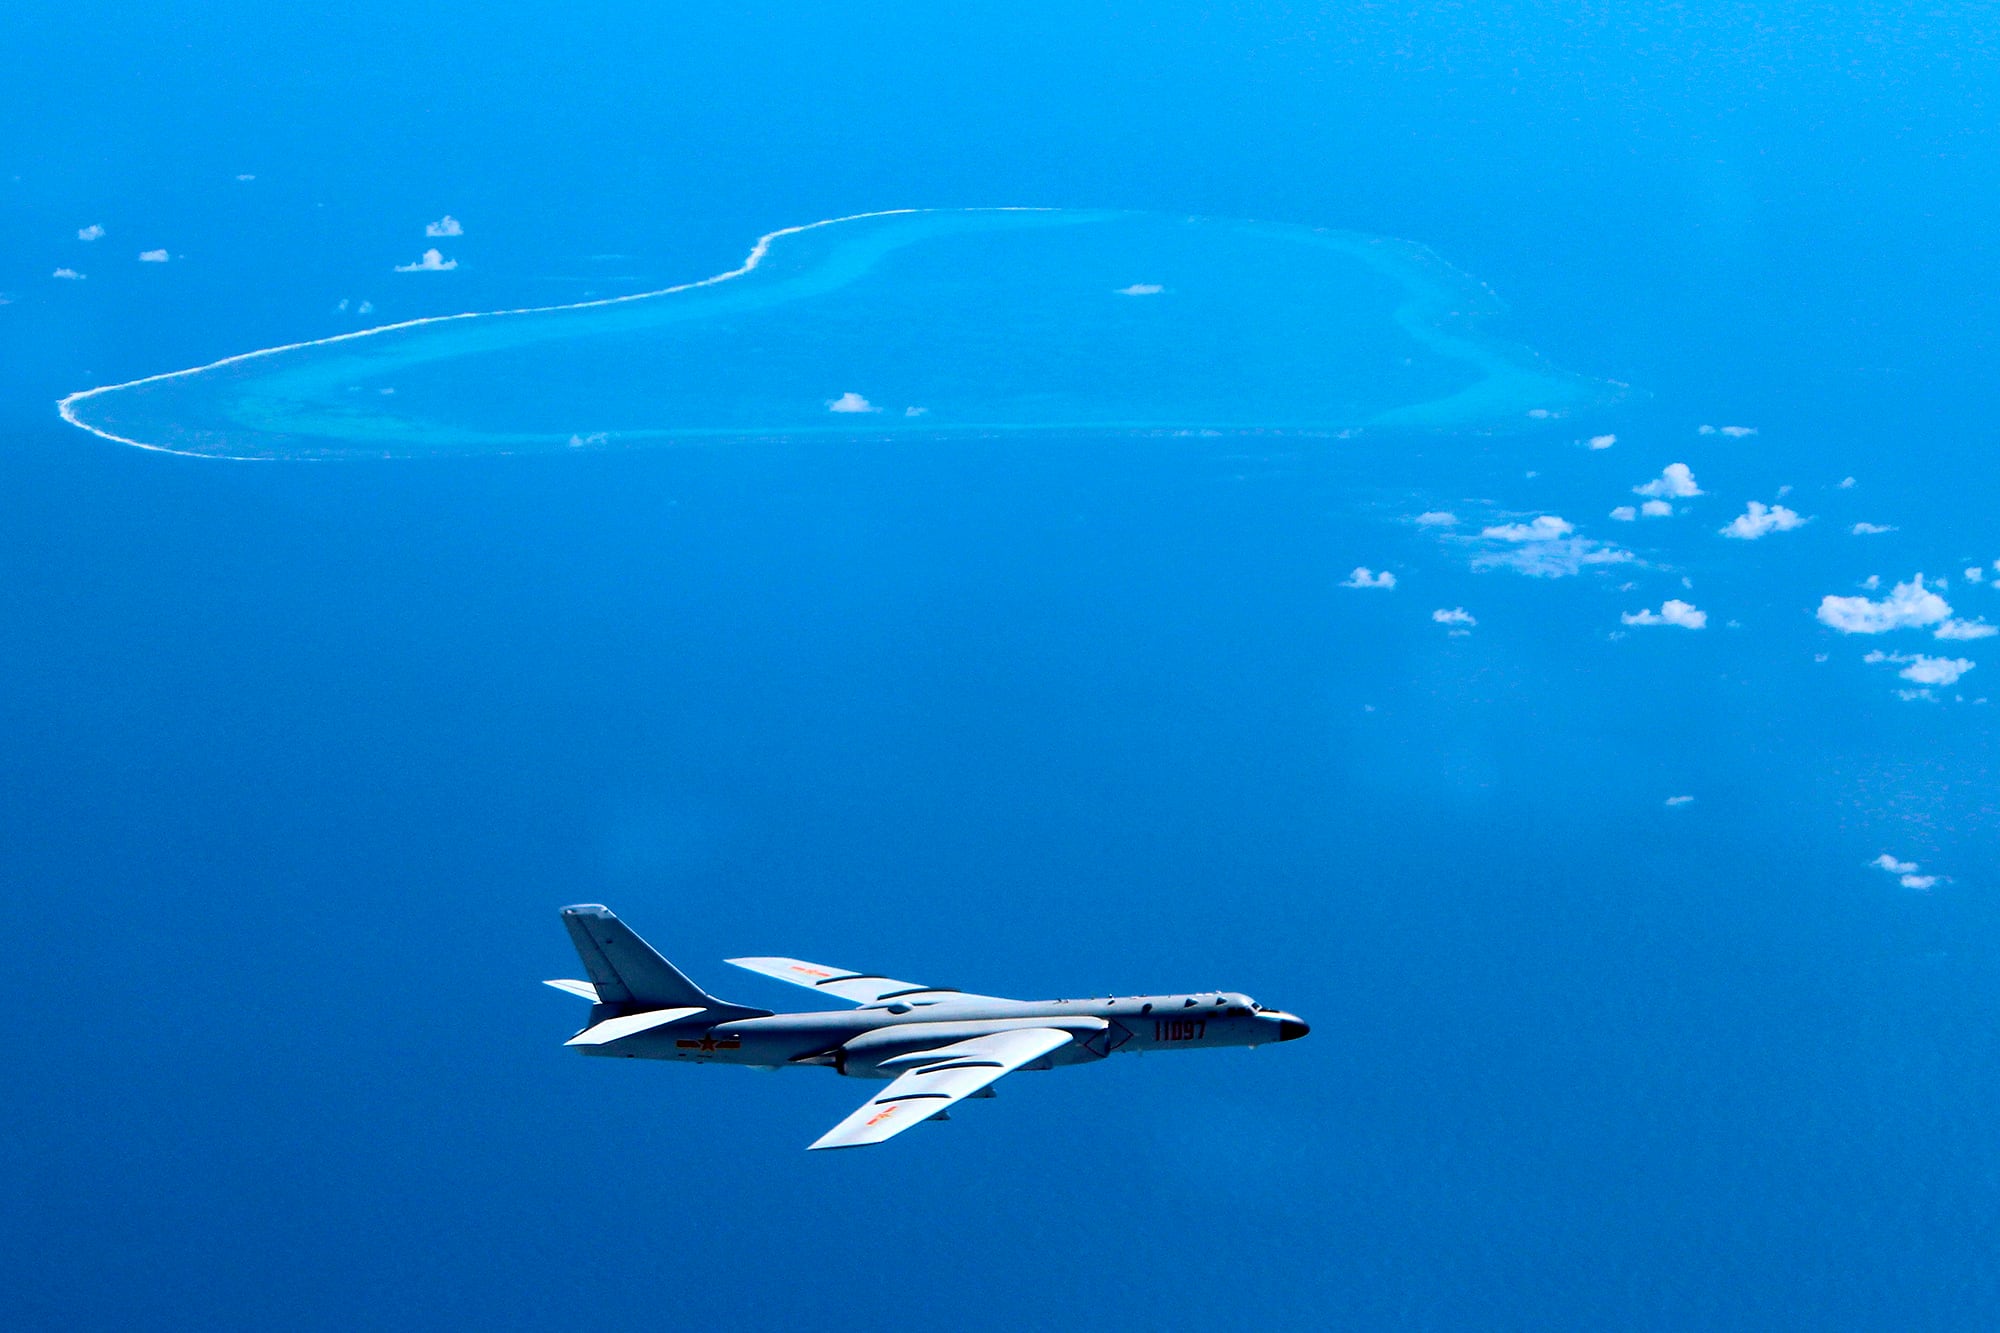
855, 987
934, 1079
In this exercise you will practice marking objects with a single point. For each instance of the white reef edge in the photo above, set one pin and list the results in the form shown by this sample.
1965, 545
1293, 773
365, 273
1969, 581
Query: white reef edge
67, 407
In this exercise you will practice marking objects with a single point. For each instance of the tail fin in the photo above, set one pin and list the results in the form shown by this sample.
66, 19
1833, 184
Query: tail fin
628, 973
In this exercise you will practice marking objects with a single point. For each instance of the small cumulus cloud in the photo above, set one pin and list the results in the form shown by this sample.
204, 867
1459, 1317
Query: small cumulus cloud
1908, 606
1545, 548
245, 176
1846, 484
1458, 615
1672, 612
1965, 629
1363, 577
152, 256
915, 411
1676, 480
1656, 509
1936, 670
90, 233
850, 402
1759, 521
1436, 518
1679, 800
445, 226
1625, 514
1547, 527
1975, 574
67, 273
1141, 289
1602, 441
431, 262
1904, 871
1870, 529
1926, 671
1733, 432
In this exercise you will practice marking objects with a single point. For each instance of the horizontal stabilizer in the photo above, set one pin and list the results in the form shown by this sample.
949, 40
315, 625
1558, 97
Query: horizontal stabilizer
582, 989
612, 1029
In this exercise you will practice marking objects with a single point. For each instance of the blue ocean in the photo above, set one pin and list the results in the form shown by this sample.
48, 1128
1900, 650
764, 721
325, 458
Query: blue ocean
1475, 525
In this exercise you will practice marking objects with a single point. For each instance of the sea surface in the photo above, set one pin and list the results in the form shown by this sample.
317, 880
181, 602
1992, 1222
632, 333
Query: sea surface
1232, 663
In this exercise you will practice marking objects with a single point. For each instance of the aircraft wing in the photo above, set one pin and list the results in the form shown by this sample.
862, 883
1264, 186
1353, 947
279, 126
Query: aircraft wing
855, 987
934, 1079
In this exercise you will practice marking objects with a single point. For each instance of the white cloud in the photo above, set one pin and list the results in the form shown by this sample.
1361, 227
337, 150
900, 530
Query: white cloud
1870, 529
152, 256
444, 226
1656, 509
1965, 629
67, 273
915, 411
1545, 548
1141, 289
1458, 615
850, 402
1975, 574
1625, 513
1679, 800
432, 262
1672, 612
1436, 518
1545, 528
1758, 521
1921, 670
1675, 480
1602, 441
1847, 483
1540, 413
1924, 670
1908, 606
1364, 577
90, 233
1905, 871
245, 176
1738, 432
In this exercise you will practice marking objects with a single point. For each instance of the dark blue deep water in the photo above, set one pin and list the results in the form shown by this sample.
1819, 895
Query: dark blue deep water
300, 758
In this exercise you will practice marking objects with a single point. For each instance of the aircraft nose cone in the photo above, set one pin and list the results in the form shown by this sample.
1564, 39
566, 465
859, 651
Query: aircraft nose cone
1291, 1029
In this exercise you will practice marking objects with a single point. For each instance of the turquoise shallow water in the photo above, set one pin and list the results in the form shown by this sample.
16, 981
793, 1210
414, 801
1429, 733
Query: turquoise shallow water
932, 322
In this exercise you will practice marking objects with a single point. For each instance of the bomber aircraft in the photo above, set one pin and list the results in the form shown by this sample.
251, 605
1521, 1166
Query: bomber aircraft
933, 1044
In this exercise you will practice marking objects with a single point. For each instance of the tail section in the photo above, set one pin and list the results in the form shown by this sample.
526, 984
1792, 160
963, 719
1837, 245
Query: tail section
628, 974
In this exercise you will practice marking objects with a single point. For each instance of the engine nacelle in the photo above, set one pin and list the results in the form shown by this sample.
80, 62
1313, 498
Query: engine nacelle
880, 1054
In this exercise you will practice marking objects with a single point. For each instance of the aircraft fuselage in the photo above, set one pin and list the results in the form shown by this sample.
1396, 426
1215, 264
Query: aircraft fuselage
857, 1042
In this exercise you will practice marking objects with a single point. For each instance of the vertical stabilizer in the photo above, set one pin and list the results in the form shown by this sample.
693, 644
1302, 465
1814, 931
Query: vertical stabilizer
629, 973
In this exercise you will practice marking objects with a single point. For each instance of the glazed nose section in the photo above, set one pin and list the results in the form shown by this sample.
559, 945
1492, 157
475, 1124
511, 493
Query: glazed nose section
1291, 1027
